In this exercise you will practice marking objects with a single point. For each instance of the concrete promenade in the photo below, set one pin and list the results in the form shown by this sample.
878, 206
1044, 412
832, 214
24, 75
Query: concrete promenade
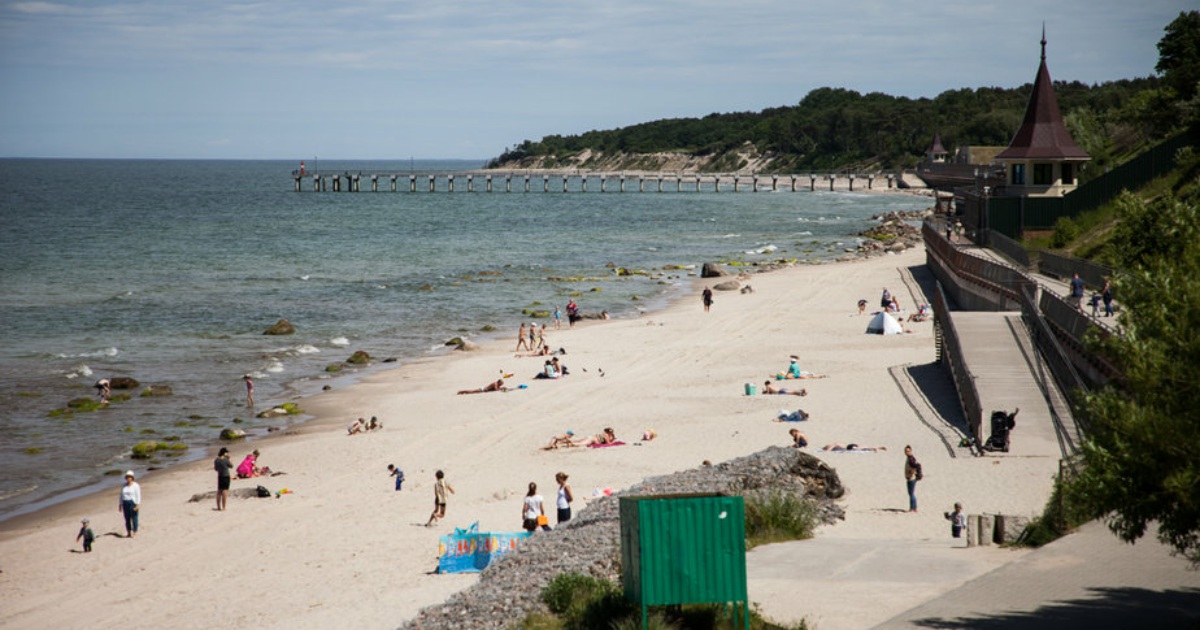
1088, 579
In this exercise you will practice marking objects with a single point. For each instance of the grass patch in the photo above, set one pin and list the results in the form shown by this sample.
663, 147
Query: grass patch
1059, 518
778, 516
582, 602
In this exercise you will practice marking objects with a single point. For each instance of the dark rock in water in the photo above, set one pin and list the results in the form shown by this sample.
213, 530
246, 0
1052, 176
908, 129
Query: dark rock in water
359, 358
467, 346
124, 382
327, 388
728, 285
390, 360
456, 341
712, 270
153, 391
281, 327
232, 434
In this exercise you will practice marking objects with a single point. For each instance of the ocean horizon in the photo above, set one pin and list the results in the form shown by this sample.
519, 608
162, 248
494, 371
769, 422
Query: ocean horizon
169, 271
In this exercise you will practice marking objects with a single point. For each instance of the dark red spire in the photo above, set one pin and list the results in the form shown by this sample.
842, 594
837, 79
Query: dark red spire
1042, 134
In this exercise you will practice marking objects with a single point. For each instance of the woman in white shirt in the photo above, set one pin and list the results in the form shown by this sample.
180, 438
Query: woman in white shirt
532, 511
130, 503
564, 498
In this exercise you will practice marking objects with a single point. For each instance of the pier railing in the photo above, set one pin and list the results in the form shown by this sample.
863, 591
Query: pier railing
951, 355
580, 182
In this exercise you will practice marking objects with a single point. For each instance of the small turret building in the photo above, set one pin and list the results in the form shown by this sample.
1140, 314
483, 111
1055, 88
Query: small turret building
1042, 160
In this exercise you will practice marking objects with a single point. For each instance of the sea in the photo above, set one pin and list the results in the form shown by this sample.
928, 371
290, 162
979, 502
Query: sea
169, 272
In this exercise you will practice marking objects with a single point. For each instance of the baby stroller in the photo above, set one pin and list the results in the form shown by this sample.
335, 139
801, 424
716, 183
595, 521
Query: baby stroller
1002, 426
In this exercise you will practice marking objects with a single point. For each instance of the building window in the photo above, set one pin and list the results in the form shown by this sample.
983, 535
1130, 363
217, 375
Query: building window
1018, 174
1068, 171
1043, 174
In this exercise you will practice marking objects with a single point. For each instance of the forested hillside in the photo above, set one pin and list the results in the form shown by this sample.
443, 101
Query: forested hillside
833, 128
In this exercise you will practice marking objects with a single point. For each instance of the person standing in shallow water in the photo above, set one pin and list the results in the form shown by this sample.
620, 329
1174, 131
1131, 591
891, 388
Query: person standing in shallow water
706, 297
912, 474
249, 390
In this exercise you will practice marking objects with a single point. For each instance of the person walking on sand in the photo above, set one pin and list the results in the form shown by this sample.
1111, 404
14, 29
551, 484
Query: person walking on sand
521, 343
564, 499
86, 535
130, 504
249, 390
533, 512
394, 471
706, 298
912, 474
222, 465
439, 497
557, 317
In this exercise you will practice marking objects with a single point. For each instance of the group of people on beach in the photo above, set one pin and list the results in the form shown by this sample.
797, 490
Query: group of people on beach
363, 426
533, 511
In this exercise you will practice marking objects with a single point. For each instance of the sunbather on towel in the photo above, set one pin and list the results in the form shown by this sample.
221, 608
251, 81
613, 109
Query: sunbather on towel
498, 386
852, 448
565, 440
798, 415
604, 438
768, 389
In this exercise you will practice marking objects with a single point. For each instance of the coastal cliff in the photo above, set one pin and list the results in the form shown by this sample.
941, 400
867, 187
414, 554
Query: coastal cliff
745, 159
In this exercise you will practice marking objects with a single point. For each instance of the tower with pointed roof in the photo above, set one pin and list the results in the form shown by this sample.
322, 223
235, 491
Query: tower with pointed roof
1042, 160
936, 152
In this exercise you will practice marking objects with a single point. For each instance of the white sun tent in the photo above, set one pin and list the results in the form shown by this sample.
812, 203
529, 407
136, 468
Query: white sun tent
884, 324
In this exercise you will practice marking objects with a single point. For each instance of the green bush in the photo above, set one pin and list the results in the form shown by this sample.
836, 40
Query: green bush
1065, 232
777, 516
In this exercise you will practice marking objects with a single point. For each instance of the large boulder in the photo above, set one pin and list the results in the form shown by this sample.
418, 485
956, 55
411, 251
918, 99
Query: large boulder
123, 382
281, 327
359, 358
728, 285
712, 270
232, 434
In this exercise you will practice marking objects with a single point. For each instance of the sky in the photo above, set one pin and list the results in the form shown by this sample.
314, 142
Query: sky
394, 79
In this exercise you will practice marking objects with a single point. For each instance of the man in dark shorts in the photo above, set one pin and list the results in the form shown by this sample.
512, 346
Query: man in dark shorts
222, 465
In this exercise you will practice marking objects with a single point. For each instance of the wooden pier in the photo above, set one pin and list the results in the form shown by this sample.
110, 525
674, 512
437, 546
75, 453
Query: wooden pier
578, 182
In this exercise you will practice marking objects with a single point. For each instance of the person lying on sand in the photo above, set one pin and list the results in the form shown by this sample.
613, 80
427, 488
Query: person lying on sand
543, 351
798, 415
852, 448
768, 389
565, 440
498, 386
604, 437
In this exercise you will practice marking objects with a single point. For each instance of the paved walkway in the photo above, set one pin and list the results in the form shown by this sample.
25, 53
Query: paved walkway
1089, 579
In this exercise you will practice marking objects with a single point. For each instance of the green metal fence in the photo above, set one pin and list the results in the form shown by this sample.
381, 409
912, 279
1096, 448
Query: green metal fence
1011, 215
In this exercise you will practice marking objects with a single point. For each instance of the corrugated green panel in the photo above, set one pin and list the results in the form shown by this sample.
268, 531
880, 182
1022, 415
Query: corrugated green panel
1004, 215
1041, 213
688, 549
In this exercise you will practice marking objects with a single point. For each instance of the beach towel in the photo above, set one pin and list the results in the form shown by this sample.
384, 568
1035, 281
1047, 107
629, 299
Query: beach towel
617, 443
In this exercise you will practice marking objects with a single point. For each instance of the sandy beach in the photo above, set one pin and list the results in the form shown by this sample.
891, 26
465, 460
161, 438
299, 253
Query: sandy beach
345, 549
